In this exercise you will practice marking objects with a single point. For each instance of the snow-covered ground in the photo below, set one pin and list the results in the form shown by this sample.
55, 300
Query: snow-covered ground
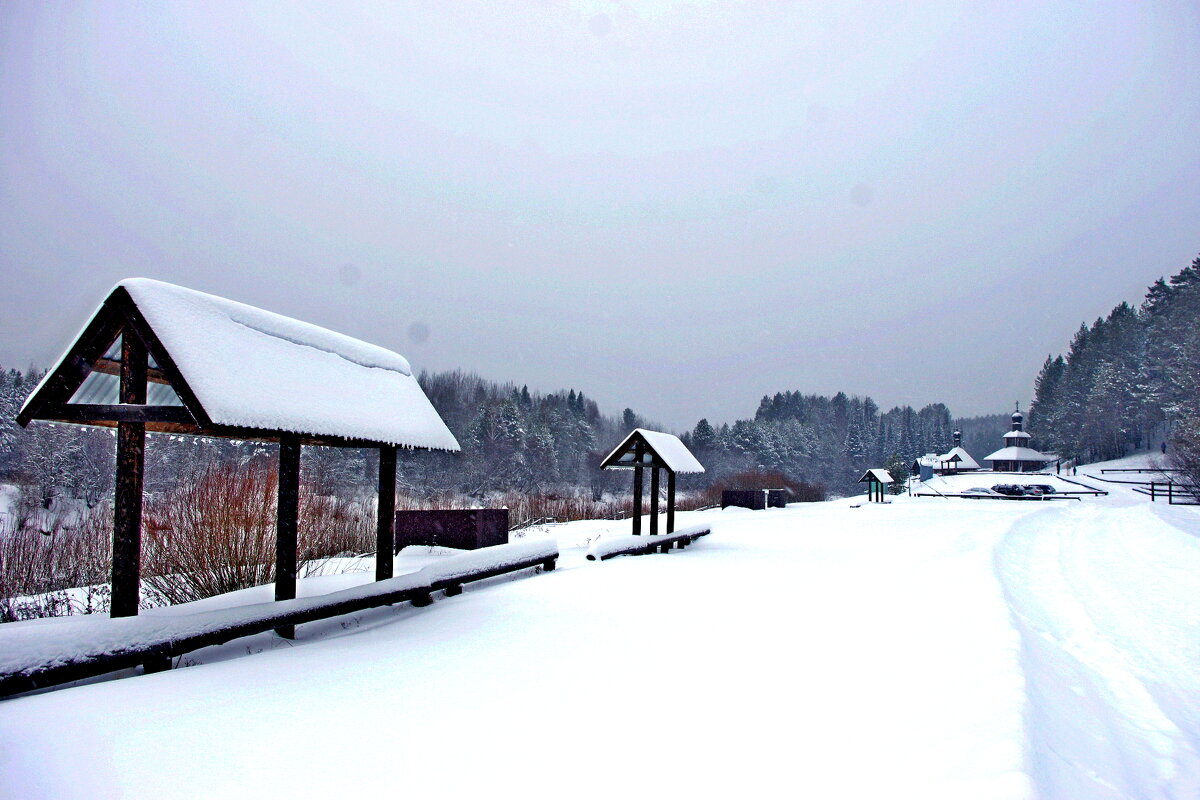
926, 648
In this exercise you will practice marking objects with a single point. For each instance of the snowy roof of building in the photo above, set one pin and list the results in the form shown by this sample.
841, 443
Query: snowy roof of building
1018, 454
1017, 435
670, 451
965, 461
880, 475
957, 456
240, 367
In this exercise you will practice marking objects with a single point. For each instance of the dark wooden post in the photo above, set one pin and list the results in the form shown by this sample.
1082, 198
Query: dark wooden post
287, 518
670, 501
637, 489
385, 523
131, 457
654, 500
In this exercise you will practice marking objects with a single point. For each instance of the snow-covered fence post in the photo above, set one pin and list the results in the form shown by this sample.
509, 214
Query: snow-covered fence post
131, 459
385, 523
287, 518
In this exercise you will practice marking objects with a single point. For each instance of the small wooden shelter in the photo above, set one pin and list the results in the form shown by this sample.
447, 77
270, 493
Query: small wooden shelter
877, 481
653, 450
160, 358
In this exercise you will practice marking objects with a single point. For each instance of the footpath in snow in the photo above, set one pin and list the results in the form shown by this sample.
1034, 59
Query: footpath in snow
928, 648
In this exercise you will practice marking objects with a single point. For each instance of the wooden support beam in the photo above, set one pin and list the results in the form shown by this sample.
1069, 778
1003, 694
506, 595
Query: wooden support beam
670, 501
654, 500
385, 522
127, 512
637, 501
90, 413
287, 519
110, 367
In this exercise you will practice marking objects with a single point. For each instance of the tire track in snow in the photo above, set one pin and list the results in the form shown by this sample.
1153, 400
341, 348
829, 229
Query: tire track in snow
1108, 683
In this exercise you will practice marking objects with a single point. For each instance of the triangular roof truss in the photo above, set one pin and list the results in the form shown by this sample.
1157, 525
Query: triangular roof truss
92, 353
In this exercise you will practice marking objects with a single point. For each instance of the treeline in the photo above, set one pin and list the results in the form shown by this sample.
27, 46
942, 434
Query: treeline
823, 440
1129, 381
513, 440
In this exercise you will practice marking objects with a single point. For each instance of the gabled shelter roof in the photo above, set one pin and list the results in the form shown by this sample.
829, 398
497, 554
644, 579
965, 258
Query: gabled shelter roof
658, 449
965, 461
878, 475
223, 368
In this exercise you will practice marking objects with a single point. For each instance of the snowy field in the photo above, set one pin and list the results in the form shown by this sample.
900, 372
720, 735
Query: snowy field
927, 648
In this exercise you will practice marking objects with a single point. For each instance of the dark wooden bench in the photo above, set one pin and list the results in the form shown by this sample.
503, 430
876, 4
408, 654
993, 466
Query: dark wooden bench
628, 545
34, 657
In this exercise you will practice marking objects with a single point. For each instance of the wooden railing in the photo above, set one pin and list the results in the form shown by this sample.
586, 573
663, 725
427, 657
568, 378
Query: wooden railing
629, 545
33, 658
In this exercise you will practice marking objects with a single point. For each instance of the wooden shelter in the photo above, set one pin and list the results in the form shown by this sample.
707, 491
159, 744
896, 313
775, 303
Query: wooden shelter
877, 480
160, 358
641, 450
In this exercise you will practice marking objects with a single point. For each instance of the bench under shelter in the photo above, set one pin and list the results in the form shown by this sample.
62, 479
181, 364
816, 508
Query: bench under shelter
160, 358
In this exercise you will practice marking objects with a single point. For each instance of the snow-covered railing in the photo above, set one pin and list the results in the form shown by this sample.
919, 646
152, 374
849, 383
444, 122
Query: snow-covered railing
628, 544
33, 657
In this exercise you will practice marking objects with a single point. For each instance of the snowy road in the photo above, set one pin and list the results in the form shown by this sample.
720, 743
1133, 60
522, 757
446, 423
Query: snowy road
926, 649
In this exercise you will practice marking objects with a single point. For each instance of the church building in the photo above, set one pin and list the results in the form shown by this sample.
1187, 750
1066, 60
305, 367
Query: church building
1017, 455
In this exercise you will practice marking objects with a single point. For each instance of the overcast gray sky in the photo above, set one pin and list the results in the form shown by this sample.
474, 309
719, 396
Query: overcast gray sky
673, 206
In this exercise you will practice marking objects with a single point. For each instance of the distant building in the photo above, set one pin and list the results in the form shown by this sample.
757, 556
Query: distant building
1017, 455
949, 463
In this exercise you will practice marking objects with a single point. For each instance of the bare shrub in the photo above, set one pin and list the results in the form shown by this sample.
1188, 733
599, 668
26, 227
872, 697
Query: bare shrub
217, 534
37, 568
213, 535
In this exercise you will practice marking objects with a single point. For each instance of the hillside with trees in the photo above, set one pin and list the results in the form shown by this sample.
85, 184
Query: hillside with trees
1128, 381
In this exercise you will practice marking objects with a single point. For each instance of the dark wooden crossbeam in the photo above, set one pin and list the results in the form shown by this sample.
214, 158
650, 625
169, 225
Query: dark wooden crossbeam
96, 414
111, 367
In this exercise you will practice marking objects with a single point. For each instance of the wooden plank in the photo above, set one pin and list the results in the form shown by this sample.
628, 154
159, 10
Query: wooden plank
385, 522
662, 544
287, 517
110, 367
73, 667
95, 414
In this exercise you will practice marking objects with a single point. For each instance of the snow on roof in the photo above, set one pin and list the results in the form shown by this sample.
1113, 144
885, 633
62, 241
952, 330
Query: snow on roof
958, 456
881, 475
1017, 435
965, 461
669, 449
1018, 454
257, 369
